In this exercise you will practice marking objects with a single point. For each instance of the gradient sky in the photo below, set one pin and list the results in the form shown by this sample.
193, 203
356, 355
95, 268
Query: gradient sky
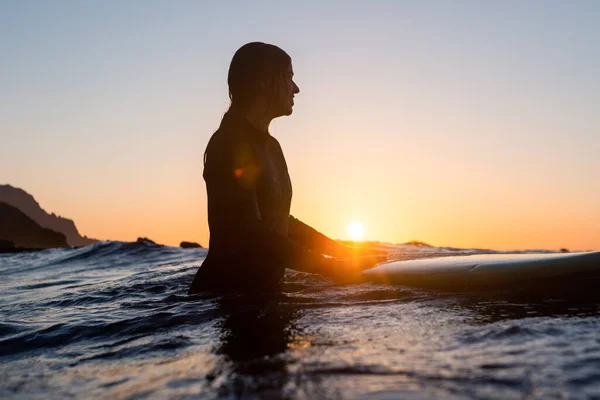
458, 123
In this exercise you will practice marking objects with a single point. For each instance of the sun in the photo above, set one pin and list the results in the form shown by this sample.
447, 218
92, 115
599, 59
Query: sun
356, 230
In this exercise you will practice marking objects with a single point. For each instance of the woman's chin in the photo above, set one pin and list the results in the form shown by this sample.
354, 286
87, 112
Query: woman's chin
284, 112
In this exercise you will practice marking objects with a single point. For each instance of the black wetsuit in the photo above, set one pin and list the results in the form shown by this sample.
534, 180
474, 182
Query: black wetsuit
253, 237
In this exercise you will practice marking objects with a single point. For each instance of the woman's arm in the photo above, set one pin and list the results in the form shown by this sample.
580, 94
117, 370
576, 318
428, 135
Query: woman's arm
314, 240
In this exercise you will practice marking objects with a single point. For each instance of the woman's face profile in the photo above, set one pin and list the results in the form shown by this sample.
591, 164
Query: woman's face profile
287, 88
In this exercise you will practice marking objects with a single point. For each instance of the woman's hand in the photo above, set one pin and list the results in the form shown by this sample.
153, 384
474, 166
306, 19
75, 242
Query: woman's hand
349, 270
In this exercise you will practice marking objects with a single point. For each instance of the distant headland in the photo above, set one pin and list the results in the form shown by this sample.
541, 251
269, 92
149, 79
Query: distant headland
29, 206
18, 231
25, 224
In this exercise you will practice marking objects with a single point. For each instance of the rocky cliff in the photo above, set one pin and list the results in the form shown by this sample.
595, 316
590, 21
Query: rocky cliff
22, 231
29, 206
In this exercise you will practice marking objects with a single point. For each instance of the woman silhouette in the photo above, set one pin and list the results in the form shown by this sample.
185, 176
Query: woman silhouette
253, 237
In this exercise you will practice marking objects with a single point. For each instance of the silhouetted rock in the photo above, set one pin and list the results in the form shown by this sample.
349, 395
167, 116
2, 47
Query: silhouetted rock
145, 240
190, 245
26, 203
22, 231
564, 250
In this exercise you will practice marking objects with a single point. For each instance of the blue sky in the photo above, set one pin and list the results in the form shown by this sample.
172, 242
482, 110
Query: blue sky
461, 123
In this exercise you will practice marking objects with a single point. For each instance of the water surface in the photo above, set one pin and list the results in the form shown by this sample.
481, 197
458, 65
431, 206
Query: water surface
113, 320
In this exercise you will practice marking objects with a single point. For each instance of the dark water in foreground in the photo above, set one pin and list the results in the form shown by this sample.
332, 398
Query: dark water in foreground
113, 321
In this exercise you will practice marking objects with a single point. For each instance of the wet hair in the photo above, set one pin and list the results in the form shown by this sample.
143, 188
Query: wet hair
252, 64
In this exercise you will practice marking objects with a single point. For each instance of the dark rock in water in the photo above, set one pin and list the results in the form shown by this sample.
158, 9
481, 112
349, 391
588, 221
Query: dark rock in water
145, 240
190, 245
564, 250
29, 206
22, 231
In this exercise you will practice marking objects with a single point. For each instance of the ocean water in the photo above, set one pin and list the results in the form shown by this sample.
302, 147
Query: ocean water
113, 320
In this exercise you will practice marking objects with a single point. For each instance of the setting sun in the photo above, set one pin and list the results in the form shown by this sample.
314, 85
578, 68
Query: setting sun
356, 230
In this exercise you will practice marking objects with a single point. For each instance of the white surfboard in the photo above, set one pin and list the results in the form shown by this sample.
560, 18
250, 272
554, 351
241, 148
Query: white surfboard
484, 269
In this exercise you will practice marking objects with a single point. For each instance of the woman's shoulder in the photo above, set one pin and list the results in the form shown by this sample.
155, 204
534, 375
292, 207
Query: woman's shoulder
222, 140
230, 147
228, 135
